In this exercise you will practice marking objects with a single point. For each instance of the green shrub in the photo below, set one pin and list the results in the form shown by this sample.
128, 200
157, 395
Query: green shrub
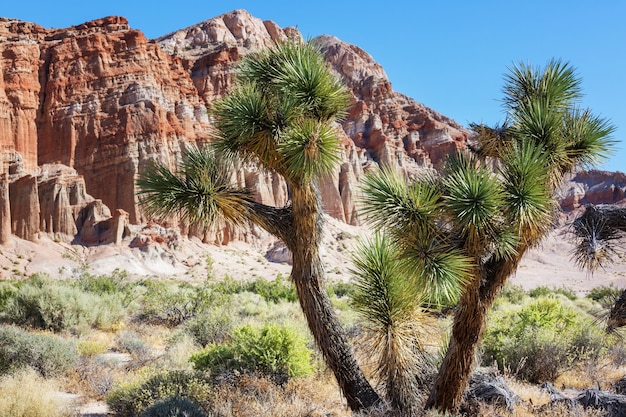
544, 291
210, 327
276, 290
172, 305
88, 348
45, 304
604, 295
275, 350
131, 399
7, 291
512, 293
130, 342
541, 339
174, 407
340, 289
117, 283
48, 354
230, 286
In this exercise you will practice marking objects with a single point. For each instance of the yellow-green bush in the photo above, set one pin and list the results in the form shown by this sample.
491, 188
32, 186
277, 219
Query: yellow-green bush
271, 349
541, 339
91, 348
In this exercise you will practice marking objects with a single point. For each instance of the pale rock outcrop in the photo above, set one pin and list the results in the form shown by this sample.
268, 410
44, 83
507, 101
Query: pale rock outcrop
5, 211
23, 194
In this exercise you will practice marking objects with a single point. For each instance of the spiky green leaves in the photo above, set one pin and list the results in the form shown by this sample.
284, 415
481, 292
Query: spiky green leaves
297, 69
200, 191
588, 138
390, 307
245, 126
282, 113
541, 105
390, 203
438, 268
414, 216
528, 197
383, 296
556, 86
474, 199
309, 150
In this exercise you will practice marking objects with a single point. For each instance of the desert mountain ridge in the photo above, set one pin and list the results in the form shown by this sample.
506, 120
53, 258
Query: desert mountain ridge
84, 109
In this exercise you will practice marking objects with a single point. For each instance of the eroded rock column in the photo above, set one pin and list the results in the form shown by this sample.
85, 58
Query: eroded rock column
5, 211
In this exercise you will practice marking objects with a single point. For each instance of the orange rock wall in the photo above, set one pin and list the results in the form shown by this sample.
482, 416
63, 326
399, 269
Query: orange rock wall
103, 101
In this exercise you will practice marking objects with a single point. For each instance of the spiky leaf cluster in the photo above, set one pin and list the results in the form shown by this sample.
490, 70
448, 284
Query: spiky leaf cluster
491, 205
390, 307
199, 191
282, 113
597, 233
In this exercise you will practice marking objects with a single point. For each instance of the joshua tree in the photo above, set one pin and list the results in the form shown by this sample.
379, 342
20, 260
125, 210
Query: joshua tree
281, 116
469, 227
596, 231
394, 322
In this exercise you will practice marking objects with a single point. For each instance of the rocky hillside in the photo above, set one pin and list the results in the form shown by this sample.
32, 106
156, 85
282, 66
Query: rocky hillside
84, 109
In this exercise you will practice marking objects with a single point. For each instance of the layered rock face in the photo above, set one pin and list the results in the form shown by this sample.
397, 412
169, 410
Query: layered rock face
593, 187
99, 101
83, 110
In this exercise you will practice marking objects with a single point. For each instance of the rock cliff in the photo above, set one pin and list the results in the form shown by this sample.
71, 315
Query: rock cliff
593, 187
84, 109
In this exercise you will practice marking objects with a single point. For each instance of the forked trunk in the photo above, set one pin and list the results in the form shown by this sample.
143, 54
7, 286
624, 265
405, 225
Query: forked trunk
308, 276
468, 328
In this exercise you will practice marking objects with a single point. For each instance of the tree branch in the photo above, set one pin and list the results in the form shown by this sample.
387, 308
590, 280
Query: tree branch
278, 221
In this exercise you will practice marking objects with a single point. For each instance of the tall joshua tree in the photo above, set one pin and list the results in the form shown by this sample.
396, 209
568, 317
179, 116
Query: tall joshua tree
281, 116
469, 227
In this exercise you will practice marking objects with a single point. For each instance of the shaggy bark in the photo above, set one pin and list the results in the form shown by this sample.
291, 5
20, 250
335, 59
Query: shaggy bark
617, 315
468, 329
300, 228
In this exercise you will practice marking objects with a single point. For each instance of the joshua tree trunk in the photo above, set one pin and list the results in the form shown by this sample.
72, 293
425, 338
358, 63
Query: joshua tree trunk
617, 315
303, 238
468, 329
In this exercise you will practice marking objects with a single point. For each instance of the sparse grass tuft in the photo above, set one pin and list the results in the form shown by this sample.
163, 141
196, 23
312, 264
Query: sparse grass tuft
27, 394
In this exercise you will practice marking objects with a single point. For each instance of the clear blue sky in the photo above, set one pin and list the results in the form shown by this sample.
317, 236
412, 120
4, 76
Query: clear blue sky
449, 55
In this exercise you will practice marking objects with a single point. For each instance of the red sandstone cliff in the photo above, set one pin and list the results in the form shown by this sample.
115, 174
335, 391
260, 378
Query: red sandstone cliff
84, 109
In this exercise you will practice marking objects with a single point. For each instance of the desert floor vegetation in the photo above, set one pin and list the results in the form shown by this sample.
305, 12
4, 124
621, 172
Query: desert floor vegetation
241, 348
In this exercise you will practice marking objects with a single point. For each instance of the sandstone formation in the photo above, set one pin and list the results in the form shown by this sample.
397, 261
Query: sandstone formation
593, 187
84, 109
5, 211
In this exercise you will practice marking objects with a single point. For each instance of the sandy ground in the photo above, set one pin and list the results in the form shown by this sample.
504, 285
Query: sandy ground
550, 264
